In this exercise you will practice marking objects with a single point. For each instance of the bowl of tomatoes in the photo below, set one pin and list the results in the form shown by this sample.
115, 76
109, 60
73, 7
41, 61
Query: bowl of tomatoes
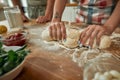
15, 39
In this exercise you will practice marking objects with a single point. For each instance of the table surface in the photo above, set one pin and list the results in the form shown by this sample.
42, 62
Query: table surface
40, 65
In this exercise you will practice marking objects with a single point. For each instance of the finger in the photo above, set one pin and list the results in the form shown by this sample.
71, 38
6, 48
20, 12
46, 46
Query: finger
54, 32
93, 36
98, 38
39, 19
50, 31
63, 31
83, 33
43, 20
87, 34
59, 34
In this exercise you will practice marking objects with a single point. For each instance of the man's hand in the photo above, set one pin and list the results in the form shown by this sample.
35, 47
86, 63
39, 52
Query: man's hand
93, 32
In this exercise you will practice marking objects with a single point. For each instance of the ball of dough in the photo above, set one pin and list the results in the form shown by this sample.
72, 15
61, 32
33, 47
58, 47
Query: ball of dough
105, 42
45, 35
72, 38
70, 43
73, 33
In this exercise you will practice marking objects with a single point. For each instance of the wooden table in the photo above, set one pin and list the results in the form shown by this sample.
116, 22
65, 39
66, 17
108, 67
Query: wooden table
40, 65
46, 66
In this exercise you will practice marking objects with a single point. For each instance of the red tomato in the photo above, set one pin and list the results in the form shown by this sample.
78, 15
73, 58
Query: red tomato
17, 39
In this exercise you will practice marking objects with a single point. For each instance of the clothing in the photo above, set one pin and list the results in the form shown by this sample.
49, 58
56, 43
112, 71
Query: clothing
94, 11
2, 16
35, 8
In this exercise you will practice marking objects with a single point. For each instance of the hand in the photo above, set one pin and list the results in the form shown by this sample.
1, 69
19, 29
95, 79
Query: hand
43, 19
57, 30
93, 32
25, 19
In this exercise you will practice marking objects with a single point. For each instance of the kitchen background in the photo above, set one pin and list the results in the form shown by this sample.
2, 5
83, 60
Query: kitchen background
68, 14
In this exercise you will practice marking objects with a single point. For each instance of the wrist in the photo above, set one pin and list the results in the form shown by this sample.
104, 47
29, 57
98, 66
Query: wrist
109, 29
56, 20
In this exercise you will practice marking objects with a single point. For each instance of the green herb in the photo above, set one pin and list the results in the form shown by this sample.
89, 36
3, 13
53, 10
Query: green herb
10, 59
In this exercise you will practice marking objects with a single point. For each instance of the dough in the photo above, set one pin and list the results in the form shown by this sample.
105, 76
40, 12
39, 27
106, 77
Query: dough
104, 43
70, 43
45, 35
72, 38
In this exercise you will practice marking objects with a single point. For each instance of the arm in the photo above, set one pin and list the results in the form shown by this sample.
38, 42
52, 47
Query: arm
18, 3
57, 28
114, 20
97, 31
48, 12
58, 9
49, 8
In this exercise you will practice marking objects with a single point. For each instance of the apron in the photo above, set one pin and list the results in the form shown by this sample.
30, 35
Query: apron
94, 11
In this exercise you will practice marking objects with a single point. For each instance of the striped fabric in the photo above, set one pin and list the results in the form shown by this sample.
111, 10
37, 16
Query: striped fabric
94, 11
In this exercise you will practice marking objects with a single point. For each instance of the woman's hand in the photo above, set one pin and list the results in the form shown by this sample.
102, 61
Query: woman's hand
57, 30
43, 19
25, 19
93, 32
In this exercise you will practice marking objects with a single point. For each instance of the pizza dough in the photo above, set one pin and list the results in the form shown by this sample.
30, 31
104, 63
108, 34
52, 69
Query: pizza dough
104, 43
45, 35
73, 38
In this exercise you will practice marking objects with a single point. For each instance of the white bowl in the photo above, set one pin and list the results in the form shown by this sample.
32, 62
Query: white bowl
101, 65
14, 72
14, 48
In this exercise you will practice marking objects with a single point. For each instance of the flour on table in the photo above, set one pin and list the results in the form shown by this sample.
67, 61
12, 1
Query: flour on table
45, 35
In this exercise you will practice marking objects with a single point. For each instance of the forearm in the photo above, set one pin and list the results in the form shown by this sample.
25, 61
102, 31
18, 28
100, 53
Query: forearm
50, 6
114, 20
18, 3
58, 9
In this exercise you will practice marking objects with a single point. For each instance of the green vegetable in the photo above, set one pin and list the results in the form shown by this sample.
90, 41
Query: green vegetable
12, 56
1, 71
8, 66
1, 44
2, 57
10, 59
22, 48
